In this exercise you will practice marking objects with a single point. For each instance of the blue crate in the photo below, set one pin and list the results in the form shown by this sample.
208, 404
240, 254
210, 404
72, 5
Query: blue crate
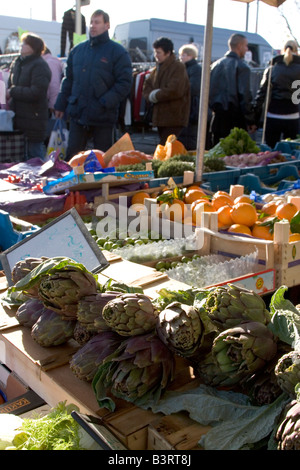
9, 236
287, 146
220, 180
157, 182
252, 182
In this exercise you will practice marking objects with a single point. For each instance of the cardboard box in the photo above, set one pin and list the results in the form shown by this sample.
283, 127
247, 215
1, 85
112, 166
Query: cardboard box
19, 398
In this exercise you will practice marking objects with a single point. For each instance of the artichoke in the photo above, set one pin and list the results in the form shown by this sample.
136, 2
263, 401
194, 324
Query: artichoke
288, 432
262, 387
29, 312
24, 267
228, 306
242, 350
138, 372
81, 333
62, 290
52, 330
287, 371
90, 309
211, 374
180, 328
86, 360
130, 314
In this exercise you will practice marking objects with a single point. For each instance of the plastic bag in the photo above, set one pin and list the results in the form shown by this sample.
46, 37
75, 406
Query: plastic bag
58, 139
6, 120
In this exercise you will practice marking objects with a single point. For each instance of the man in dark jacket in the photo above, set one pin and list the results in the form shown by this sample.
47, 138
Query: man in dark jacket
98, 77
230, 96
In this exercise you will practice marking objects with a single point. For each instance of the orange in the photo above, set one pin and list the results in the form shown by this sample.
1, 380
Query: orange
244, 213
224, 216
194, 186
139, 198
286, 210
294, 237
220, 200
239, 228
195, 203
269, 208
243, 198
175, 211
199, 208
221, 193
193, 195
262, 231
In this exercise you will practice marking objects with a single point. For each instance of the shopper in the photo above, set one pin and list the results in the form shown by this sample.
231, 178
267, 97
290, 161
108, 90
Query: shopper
188, 55
230, 97
168, 89
283, 108
98, 78
28, 82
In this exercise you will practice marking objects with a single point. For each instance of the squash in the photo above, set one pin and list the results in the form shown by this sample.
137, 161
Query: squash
174, 147
79, 158
129, 157
160, 152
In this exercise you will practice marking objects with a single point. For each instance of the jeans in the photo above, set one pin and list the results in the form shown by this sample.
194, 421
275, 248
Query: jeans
35, 150
101, 136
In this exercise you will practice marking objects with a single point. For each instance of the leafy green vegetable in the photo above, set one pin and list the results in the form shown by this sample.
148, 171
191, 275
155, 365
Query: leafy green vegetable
55, 431
236, 143
235, 422
295, 223
285, 321
174, 168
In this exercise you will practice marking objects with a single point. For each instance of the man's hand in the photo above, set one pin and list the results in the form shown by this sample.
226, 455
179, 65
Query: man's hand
59, 114
251, 129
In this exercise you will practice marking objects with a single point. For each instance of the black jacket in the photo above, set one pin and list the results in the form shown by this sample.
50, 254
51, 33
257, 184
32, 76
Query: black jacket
281, 87
230, 86
194, 71
28, 81
68, 27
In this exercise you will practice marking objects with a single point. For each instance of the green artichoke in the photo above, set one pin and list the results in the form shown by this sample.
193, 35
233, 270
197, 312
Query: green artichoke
229, 305
86, 360
242, 350
211, 374
288, 432
130, 314
138, 372
52, 330
90, 310
82, 334
61, 290
287, 371
25, 266
180, 328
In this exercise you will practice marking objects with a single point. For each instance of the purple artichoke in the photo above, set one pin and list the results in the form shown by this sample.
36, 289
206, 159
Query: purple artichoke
288, 432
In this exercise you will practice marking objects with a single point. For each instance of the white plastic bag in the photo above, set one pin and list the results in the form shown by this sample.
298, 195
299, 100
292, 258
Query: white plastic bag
58, 139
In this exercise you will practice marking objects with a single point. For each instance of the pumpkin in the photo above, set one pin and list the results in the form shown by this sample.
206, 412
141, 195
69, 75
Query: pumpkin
79, 158
129, 157
174, 147
160, 152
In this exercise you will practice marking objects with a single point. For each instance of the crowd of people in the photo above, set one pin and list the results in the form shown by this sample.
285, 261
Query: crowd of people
98, 78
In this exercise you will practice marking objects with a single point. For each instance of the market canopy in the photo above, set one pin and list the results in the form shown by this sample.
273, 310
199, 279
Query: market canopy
203, 110
272, 3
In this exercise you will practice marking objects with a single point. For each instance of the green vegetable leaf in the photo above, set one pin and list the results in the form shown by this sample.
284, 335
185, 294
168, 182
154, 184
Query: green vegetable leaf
285, 321
295, 223
235, 422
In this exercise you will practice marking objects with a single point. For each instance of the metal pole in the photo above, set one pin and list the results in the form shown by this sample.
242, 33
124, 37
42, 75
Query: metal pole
185, 10
257, 12
78, 17
247, 16
204, 94
53, 10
